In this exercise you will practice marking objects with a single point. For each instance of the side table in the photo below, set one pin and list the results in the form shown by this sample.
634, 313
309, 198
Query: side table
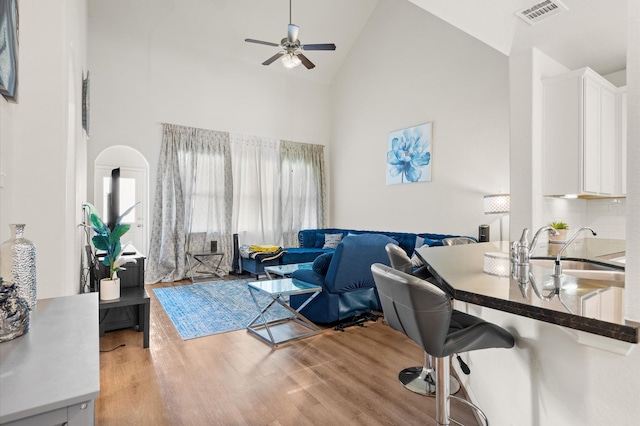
209, 260
283, 330
130, 296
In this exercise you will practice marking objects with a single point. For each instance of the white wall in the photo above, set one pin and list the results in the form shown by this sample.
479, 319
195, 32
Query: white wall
42, 145
145, 72
408, 68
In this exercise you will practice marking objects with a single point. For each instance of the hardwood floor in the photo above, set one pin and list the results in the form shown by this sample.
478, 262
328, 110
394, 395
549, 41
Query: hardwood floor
346, 378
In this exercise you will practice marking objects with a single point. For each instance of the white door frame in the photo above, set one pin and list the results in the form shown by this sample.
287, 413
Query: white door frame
128, 159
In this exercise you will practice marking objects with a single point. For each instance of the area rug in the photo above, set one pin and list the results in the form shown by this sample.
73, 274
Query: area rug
204, 309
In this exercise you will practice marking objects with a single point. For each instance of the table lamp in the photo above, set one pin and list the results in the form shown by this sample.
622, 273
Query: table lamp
497, 204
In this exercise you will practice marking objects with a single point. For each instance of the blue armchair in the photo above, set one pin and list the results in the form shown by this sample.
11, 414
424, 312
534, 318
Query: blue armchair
348, 288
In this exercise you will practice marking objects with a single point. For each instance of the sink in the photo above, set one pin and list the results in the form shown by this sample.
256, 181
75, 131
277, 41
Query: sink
584, 269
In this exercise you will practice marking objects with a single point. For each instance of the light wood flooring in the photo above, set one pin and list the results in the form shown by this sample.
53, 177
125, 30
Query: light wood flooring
334, 378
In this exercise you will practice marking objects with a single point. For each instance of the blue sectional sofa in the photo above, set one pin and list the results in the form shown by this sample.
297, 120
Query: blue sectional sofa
311, 241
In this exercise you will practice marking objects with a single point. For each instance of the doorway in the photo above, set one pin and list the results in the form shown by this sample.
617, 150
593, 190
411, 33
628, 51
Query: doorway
134, 186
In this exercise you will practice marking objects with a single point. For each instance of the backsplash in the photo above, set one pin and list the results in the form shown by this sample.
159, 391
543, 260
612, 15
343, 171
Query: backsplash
606, 216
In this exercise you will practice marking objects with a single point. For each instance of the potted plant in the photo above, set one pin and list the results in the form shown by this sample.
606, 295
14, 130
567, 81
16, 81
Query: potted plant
562, 229
108, 240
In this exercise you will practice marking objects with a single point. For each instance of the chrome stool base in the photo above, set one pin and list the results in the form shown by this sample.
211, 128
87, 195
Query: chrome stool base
422, 381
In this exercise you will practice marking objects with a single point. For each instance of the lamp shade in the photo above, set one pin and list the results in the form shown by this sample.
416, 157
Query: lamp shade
497, 264
497, 203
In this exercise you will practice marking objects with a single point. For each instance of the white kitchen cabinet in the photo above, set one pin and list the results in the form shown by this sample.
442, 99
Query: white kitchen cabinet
579, 135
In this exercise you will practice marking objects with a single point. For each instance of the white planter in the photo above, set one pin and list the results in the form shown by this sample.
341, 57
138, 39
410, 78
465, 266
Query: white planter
561, 238
109, 289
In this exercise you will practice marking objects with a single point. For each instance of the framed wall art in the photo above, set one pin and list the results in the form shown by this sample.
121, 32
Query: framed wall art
409, 155
9, 49
85, 103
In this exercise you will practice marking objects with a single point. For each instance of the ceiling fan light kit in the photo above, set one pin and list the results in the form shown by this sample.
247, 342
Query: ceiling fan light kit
291, 48
290, 60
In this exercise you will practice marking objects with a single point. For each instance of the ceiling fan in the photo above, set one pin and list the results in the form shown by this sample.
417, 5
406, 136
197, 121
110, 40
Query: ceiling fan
292, 48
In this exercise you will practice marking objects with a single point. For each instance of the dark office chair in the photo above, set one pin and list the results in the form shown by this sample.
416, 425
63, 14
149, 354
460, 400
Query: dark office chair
423, 312
420, 379
94, 269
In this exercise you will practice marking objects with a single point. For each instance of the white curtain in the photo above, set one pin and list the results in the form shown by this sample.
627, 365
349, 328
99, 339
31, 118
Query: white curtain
212, 184
193, 206
256, 189
303, 189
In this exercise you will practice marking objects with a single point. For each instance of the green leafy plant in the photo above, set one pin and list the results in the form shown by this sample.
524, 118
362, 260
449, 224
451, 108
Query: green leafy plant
108, 240
559, 225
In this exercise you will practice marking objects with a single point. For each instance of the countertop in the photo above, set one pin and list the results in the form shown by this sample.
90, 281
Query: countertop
579, 304
54, 365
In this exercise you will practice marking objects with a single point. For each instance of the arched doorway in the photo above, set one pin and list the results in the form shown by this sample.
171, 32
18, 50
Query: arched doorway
134, 187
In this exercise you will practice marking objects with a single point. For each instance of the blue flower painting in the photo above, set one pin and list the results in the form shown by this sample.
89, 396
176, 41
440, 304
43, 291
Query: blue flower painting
409, 155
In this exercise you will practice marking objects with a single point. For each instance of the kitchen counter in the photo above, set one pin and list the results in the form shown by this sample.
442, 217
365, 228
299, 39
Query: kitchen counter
594, 306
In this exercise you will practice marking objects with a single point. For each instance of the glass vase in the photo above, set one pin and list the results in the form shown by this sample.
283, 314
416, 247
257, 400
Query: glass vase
18, 264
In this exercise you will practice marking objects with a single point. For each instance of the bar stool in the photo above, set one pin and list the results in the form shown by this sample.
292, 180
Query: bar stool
420, 379
423, 312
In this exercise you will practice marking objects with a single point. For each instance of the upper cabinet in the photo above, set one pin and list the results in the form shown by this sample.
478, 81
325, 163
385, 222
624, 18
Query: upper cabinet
580, 135
621, 114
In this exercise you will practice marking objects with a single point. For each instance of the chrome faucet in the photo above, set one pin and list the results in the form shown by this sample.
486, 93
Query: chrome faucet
557, 267
521, 252
553, 231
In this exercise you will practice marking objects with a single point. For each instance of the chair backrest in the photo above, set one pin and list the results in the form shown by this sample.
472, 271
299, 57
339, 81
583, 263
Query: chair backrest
350, 267
414, 307
398, 258
456, 241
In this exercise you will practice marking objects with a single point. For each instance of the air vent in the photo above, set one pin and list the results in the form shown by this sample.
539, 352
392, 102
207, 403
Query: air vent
540, 11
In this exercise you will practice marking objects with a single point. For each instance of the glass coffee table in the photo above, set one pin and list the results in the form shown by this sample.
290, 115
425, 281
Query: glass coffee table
285, 271
295, 326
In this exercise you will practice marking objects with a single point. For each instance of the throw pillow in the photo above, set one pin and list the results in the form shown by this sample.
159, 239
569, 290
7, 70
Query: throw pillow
331, 241
321, 264
319, 240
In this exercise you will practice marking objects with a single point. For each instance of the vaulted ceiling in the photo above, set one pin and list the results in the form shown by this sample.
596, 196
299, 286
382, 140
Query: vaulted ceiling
590, 33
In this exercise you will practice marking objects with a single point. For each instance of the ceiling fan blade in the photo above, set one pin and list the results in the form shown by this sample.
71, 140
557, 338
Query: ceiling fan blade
268, 43
273, 58
305, 61
292, 33
325, 46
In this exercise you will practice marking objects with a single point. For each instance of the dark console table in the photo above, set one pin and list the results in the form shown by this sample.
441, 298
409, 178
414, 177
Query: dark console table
133, 307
